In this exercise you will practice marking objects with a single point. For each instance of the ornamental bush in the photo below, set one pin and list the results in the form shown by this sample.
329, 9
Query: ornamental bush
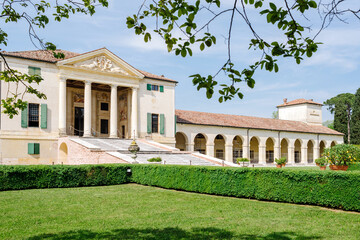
342, 154
321, 161
155, 159
280, 161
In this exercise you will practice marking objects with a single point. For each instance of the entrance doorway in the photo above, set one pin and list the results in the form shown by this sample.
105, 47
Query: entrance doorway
79, 121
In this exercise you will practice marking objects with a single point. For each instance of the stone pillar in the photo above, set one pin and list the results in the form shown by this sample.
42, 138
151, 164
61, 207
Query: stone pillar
304, 155
229, 153
114, 112
291, 155
87, 109
134, 112
190, 147
246, 148
62, 106
277, 152
262, 155
316, 153
210, 150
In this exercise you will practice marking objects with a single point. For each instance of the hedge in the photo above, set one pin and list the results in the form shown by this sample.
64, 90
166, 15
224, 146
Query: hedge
324, 188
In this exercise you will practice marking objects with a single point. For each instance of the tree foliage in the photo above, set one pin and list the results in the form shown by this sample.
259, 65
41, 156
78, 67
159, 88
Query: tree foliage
355, 120
37, 14
342, 106
186, 17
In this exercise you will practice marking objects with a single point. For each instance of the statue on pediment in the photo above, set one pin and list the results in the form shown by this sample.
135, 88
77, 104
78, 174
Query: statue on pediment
102, 64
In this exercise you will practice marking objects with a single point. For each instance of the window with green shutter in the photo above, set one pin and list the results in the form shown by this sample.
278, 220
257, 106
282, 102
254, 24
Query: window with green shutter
162, 123
43, 124
148, 122
24, 118
148, 87
33, 148
34, 71
161, 88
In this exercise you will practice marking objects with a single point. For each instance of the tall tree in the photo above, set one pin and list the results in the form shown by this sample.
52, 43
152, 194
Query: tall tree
355, 120
187, 24
341, 106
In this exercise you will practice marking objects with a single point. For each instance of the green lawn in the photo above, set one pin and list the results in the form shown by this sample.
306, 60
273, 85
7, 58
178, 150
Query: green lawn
133, 211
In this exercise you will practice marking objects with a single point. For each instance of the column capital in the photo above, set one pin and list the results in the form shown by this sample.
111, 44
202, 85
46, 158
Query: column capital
87, 82
113, 85
62, 79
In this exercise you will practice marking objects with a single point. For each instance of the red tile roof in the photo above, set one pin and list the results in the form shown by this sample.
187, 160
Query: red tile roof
226, 120
47, 56
298, 101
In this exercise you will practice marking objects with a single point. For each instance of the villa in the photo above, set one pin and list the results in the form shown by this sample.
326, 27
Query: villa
96, 103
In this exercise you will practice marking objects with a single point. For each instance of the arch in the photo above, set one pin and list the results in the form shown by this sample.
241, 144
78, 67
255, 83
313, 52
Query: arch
322, 146
63, 154
181, 141
333, 144
297, 150
237, 147
200, 143
310, 151
254, 149
219, 146
270, 143
284, 148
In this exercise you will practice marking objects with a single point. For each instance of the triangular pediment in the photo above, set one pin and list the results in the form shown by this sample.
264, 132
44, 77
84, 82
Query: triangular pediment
101, 61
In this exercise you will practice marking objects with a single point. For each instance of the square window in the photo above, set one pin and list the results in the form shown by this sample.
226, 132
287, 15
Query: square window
154, 123
104, 106
33, 120
104, 128
155, 87
33, 148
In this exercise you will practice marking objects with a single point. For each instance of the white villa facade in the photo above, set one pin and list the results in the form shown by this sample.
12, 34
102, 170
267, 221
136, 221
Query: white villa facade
98, 95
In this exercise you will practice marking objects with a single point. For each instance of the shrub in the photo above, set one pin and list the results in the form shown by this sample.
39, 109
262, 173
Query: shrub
321, 161
342, 154
156, 159
243, 160
280, 161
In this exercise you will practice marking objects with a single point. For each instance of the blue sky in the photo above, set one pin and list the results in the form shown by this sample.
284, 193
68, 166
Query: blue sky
333, 70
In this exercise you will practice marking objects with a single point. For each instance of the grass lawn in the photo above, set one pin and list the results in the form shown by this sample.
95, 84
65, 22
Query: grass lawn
133, 211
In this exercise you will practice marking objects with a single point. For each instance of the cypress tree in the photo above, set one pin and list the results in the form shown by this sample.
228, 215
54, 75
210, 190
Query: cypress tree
355, 120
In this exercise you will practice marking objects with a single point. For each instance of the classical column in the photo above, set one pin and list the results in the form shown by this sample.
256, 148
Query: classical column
134, 110
304, 155
62, 106
210, 150
246, 148
87, 109
113, 112
229, 153
262, 155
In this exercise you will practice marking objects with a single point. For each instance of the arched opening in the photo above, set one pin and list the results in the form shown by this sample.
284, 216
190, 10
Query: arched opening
297, 151
63, 154
254, 150
284, 146
270, 150
200, 143
219, 147
322, 147
181, 141
237, 148
310, 151
333, 144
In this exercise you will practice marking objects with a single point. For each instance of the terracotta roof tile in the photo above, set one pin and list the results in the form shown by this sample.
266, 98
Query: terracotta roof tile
298, 101
226, 120
43, 55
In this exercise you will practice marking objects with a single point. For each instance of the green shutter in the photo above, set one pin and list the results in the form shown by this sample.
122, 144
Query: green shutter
43, 124
36, 148
34, 71
24, 118
149, 123
38, 71
31, 148
149, 87
162, 123
161, 88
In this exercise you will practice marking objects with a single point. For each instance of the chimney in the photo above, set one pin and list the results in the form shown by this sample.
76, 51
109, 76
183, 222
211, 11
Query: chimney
285, 100
312, 100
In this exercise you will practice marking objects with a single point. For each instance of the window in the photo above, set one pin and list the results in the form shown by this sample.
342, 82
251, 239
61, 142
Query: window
104, 106
154, 123
33, 115
219, 153
269, 156
297, 157
104, 126
34, 71
151, 87
155, 87
33, 148
237, 154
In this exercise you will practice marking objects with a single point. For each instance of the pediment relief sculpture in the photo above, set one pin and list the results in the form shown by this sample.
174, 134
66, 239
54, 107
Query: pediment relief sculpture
101, 63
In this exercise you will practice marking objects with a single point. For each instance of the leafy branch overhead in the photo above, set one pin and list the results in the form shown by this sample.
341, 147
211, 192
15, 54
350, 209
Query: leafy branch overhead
171, 17
37, 14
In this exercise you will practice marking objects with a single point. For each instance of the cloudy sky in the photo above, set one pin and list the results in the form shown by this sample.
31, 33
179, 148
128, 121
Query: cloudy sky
333, 70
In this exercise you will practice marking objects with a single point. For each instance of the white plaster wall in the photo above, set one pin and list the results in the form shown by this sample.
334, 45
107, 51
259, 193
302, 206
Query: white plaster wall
308, 113
314, 114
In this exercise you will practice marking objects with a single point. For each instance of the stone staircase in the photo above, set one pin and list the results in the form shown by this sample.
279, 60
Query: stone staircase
118, 148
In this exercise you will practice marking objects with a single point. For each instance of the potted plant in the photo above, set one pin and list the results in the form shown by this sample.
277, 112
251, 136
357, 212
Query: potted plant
341, 156
280, 162
321, 162
243, 161
155, 160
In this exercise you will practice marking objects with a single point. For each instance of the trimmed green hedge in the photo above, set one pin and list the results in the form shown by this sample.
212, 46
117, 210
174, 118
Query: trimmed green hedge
57, 176
324, 188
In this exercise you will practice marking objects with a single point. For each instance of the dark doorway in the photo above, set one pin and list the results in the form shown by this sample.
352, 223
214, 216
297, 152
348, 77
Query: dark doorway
123, 131
79, 121
104, 126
